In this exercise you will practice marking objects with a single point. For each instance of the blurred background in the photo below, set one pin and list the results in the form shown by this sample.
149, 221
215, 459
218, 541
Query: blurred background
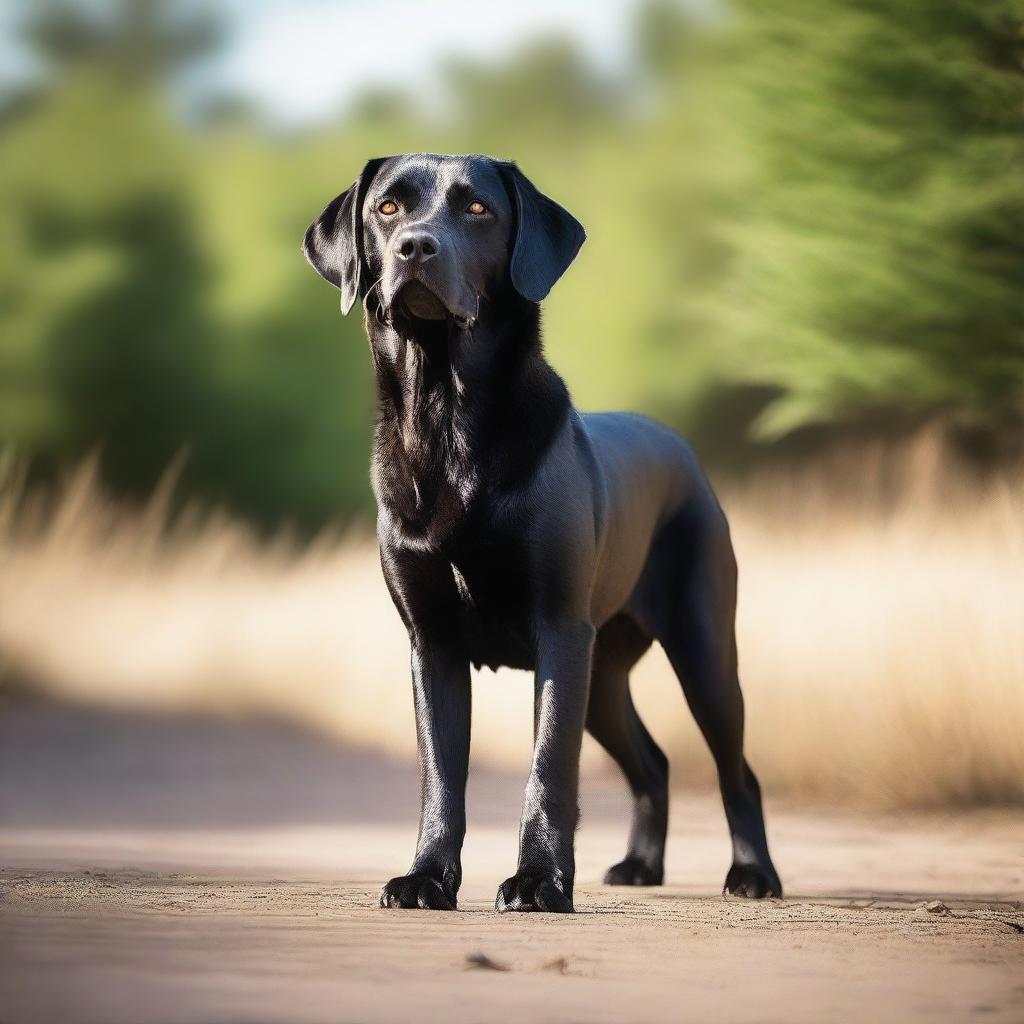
806, 252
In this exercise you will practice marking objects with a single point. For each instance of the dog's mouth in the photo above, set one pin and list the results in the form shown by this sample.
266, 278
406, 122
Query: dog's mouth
414, 301
418, 302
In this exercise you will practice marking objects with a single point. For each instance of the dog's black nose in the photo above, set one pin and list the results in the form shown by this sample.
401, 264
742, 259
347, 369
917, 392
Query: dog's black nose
416, 244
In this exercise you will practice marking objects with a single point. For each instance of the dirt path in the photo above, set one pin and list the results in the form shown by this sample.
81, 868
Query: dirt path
126, 897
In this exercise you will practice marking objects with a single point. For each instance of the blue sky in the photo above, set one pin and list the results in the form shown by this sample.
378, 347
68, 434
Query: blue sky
302, 61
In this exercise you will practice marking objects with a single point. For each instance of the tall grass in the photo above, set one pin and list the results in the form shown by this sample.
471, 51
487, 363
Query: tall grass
880, 632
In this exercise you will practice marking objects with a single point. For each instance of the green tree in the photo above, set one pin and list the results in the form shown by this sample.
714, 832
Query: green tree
105, 335
139, 41
877, 222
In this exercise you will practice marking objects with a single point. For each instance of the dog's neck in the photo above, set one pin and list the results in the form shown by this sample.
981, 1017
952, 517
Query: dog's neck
459, 412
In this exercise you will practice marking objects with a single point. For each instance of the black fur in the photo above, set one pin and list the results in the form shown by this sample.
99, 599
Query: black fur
515, 531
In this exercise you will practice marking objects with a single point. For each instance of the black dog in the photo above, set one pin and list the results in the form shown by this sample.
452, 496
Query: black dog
515, 531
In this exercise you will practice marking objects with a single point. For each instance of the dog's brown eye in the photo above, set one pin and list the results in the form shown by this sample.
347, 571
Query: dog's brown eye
476, 208
388, 207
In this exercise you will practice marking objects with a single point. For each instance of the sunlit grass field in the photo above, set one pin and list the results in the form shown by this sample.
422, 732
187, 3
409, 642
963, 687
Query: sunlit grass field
880, 634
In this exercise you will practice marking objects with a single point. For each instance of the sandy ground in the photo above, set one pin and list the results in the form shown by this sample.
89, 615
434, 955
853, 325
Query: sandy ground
187, 870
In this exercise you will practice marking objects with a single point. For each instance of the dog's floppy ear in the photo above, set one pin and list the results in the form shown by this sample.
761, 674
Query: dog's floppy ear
334, 241
547, 236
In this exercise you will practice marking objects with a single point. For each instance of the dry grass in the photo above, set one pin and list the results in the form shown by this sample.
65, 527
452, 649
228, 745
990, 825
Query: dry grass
881, 645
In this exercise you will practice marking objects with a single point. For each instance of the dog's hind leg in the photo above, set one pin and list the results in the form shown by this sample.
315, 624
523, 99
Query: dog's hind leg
694, 620
613, 722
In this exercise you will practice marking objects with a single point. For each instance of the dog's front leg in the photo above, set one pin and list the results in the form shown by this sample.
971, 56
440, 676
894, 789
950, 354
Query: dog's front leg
441, 689
544, 877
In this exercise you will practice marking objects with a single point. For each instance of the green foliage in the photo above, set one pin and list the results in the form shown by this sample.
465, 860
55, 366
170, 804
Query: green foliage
139, 41
876, 229
101, 318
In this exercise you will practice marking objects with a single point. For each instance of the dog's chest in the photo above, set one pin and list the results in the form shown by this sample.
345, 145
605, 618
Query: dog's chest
497, 615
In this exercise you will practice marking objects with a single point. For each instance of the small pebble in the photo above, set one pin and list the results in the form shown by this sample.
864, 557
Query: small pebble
484, 962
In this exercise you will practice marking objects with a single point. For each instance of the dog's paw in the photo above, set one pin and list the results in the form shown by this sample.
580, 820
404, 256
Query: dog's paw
633, 871
753, 882
423, 891
530, 892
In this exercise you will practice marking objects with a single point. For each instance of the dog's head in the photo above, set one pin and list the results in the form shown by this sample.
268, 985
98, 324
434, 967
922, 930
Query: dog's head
428, 237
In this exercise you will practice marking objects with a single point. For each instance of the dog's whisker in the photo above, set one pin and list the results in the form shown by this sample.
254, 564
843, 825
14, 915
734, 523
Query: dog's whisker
380, 313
